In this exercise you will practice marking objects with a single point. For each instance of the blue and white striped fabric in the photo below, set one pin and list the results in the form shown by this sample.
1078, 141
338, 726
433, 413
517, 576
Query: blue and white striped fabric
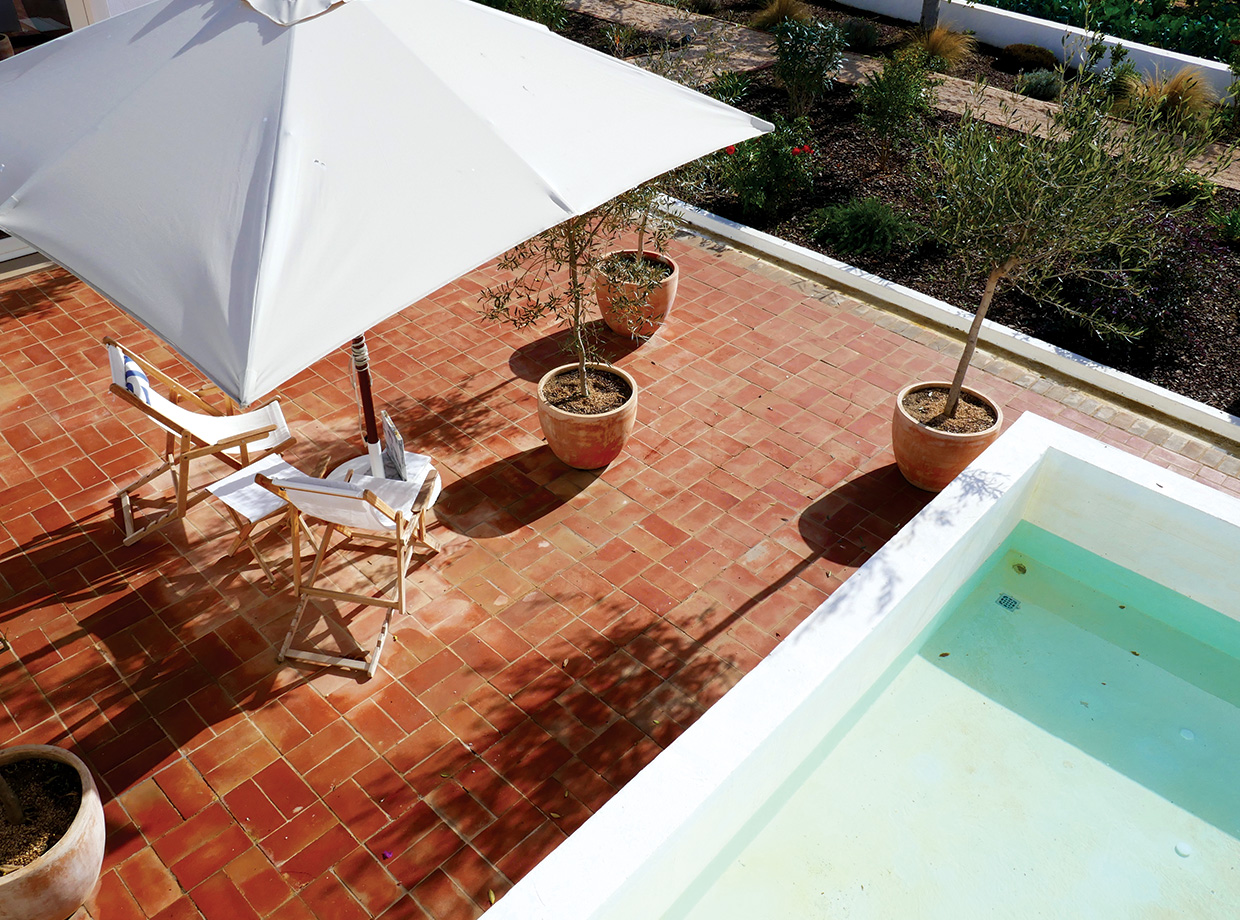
136, 381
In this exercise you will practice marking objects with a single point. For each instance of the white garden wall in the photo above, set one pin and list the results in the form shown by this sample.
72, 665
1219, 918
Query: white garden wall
1000, 28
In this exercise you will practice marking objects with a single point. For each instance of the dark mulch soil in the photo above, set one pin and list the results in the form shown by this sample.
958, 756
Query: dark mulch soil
50, 794
617, 41
607, 391
972, 414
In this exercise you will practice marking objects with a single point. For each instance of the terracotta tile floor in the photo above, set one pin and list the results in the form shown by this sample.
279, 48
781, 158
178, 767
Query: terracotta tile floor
574, 624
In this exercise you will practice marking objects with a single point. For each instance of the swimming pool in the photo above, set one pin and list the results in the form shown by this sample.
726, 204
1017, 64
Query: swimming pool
1026, 703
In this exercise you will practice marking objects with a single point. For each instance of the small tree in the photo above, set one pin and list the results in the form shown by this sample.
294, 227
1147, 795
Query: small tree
1082, 199
807, 56
895, 101
552, 277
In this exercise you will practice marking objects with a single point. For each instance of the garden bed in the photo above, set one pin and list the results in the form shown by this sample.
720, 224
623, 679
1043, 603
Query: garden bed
1194, 351
986, 63
1194, 347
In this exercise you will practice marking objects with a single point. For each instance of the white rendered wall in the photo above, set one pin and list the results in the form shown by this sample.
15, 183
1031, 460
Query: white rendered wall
1001, 28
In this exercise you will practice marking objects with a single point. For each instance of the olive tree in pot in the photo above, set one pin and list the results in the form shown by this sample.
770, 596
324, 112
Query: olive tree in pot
587, 409
1084, 199
51, 848
636, 288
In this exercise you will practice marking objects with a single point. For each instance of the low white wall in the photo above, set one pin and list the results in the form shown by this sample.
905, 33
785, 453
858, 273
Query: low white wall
1001, 28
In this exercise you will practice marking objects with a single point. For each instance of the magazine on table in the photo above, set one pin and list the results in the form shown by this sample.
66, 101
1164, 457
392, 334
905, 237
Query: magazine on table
397, 462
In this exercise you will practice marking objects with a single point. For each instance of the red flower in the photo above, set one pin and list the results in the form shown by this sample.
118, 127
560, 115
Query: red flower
730, 149
796, 151
807, 149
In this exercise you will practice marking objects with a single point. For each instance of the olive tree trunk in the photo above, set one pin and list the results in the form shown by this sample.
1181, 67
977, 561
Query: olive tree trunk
929, 14
970, 342
9, 805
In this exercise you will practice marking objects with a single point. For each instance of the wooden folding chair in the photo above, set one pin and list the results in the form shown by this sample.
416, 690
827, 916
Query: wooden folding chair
193, 433
388, 513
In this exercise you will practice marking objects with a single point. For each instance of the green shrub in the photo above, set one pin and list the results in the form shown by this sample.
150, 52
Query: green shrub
622, 39
807, 55
730, 87
863, 226
1227, 223
1022, 57
1046, 85
895, 101
860, 35
768, 172
550, 13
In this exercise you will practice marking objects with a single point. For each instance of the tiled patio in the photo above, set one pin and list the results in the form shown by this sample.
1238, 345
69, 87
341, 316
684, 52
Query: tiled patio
573, 625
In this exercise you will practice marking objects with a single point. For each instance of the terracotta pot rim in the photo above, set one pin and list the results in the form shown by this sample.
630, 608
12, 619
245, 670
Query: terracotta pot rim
651, 254
89, 793
951, 435
591, 365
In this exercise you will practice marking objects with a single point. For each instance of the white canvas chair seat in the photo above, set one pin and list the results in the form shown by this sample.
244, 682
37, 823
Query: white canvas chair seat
387, 512
195, 429
250, 505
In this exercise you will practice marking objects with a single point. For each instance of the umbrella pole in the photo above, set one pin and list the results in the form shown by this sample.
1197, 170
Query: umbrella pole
361, 363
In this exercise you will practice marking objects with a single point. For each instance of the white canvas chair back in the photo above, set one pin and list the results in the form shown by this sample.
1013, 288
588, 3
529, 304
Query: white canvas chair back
208, 429
344, 503
390, 512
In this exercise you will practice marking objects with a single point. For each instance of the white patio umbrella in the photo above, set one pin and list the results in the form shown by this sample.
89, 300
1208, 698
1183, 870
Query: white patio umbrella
259, 181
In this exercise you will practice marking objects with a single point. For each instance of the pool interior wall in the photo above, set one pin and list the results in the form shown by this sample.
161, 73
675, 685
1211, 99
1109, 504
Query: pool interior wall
638, 854
1033, 751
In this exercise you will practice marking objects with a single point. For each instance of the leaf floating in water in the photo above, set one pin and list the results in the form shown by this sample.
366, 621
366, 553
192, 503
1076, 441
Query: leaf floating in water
1138, 654
555, 814
449, 775
944, 654
1123, 606
1019, 568
491, 895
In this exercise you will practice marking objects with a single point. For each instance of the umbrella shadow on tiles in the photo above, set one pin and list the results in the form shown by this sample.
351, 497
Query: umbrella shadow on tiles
45, 292
531, 361
511, 493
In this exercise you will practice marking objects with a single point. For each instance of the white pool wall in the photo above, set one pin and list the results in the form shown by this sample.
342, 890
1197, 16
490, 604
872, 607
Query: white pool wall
637, 854
1177, 532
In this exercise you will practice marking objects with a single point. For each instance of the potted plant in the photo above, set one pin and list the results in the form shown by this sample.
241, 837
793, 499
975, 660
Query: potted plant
636, 288
588, 408
54, 845
1083, 200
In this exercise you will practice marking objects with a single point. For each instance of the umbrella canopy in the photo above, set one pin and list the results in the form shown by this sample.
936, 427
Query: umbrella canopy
258, 181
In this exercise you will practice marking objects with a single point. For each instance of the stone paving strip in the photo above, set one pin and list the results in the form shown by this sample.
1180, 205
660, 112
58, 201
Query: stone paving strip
751, 50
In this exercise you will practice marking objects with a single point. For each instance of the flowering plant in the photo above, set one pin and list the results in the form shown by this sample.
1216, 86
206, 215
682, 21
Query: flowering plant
768, 172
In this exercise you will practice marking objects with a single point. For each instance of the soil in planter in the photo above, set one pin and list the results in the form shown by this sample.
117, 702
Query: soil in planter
50, 794
626, 268
607, 391
972, 414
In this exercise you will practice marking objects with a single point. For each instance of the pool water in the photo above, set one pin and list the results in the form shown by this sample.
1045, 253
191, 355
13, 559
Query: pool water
1064, 743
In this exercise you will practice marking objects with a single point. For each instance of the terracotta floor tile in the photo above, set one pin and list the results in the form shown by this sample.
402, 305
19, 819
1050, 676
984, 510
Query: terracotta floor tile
573, 625
149, 881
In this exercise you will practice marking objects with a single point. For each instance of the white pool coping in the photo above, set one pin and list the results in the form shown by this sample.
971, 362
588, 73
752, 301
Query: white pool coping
634, 854
1065, 363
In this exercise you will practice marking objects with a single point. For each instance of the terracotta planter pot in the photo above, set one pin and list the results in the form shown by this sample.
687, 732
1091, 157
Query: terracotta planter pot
638, 320
58, 882
930, 459
587, 442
